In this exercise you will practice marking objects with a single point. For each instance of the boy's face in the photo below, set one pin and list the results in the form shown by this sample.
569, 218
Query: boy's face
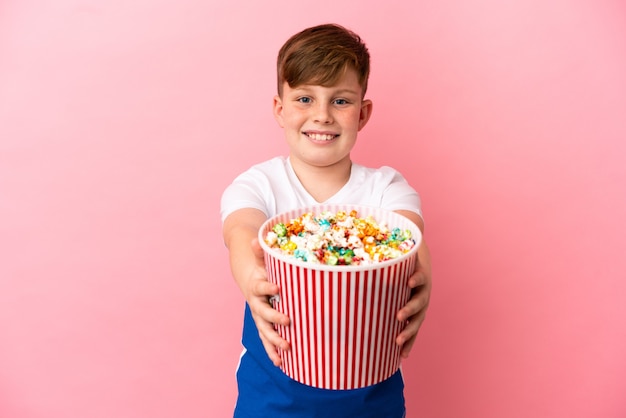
321, 123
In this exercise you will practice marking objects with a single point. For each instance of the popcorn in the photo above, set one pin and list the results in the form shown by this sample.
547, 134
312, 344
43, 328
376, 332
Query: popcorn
339, 239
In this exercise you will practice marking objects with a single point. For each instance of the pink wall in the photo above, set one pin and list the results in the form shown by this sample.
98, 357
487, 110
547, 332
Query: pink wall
122, 122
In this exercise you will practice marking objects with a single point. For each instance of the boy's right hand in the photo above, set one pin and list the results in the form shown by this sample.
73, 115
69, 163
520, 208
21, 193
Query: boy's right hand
265, 316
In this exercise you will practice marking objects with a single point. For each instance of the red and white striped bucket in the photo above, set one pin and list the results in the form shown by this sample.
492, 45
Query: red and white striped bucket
343, 318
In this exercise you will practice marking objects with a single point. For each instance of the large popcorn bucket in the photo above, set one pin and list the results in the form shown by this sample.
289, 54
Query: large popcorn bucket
343, 318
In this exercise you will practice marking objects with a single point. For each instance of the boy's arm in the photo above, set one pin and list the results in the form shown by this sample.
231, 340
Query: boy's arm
421, 282
248, 268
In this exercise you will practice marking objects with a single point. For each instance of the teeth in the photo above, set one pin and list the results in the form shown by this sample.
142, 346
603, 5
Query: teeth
321, 137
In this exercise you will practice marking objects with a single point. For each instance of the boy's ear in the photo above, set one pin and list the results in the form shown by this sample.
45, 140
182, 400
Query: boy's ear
278, 110
366, 112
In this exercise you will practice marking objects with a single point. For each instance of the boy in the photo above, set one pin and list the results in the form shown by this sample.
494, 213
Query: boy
322, 80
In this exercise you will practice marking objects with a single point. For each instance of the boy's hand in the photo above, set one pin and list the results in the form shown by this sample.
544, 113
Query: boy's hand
265, 316
415, 310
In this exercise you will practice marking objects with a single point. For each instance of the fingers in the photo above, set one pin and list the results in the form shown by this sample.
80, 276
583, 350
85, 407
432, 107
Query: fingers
264, 289
272, 353
271, 341
407, 337
418, 302
265, 317
419, 278
271, 315
261, 307
413, 313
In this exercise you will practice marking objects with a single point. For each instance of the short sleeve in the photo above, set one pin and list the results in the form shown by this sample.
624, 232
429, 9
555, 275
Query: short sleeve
251, 189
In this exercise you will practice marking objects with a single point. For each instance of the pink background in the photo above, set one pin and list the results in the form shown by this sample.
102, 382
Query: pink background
122, 121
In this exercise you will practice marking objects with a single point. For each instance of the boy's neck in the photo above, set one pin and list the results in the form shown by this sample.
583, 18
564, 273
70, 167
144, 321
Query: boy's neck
322, 183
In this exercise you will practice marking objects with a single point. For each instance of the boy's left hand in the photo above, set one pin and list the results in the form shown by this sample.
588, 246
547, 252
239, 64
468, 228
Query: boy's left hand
415, 310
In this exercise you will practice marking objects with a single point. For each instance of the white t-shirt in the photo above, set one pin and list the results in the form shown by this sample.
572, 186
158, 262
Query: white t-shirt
273, 187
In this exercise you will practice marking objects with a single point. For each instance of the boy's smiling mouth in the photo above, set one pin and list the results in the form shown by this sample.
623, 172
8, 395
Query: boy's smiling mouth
317, 136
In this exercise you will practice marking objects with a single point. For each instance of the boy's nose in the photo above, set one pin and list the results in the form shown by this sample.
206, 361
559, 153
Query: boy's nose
323, 114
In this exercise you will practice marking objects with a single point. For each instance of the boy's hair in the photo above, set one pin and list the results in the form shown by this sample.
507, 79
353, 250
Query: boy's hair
321, 55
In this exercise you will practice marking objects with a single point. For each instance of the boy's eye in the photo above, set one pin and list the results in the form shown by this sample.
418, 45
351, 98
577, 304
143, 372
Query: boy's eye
304, 100
341, 101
